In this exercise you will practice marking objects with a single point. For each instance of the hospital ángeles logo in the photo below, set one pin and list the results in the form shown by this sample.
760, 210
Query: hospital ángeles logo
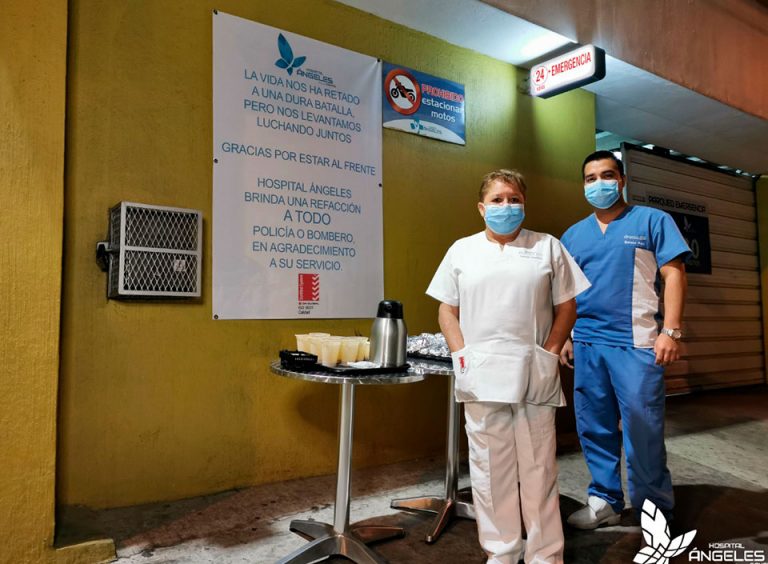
659, 547
287, 61
403, 91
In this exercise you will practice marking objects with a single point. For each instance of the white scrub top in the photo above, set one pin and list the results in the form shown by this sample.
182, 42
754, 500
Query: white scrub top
505, 297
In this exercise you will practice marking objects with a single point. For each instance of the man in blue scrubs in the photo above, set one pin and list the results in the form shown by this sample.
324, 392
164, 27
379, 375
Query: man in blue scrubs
621, 342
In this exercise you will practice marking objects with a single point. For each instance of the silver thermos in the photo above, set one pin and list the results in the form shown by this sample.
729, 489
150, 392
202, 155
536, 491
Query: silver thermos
389, 335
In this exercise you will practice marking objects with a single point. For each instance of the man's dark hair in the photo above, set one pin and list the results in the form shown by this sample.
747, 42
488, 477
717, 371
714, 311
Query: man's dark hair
599, 156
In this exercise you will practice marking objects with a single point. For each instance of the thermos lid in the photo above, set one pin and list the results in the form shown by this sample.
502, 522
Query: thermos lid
390, 309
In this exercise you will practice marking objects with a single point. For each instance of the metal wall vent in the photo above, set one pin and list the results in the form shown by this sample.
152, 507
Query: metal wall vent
152, 252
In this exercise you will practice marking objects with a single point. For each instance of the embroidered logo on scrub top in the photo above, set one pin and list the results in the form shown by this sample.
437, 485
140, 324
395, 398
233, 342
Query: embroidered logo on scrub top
635, 240
526, 253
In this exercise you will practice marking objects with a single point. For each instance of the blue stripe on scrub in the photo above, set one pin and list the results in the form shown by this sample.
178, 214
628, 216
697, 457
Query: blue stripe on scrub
613, 383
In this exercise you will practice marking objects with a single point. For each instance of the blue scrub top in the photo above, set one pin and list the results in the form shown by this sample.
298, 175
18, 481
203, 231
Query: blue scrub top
621, 308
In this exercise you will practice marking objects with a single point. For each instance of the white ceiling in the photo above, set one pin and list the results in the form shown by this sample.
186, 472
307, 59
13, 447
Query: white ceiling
631, 103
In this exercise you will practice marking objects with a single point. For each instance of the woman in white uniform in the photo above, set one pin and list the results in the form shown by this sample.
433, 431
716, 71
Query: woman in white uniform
507, 307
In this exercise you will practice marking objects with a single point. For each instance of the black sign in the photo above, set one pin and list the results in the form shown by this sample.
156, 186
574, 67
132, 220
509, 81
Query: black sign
695, 230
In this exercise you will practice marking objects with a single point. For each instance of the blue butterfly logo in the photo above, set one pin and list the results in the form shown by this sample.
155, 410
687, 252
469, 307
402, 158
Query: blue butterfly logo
287, 61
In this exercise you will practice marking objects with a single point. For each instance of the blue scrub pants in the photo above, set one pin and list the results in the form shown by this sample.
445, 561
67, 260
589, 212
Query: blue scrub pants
613, 383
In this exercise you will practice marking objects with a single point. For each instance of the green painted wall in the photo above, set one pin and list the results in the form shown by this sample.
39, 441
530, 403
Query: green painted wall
160, 402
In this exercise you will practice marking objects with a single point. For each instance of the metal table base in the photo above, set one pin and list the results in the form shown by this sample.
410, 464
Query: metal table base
341, 539
326, 542
455, 503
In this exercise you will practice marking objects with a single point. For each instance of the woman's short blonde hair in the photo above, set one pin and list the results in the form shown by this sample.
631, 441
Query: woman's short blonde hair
507, 176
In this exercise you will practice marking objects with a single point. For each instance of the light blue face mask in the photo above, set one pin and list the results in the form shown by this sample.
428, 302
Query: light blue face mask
602, 194
504, 219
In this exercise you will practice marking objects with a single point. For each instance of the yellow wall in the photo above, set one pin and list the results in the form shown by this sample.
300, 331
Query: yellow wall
33, 56
32, 87
158, 401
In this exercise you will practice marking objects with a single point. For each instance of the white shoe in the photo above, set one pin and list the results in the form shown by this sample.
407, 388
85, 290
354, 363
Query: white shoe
597, 512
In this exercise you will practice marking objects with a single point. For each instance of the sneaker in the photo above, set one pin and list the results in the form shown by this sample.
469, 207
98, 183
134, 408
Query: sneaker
597, 512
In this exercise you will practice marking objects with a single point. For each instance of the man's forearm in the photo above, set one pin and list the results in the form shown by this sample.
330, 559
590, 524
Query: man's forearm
675, 285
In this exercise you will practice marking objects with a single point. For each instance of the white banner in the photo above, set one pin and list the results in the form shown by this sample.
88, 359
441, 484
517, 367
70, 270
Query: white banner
297, 213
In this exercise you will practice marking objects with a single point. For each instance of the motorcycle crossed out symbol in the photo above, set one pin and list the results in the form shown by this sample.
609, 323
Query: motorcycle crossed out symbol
403, 91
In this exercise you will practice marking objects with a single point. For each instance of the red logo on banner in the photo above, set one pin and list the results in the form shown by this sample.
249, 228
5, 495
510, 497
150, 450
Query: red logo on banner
309, 287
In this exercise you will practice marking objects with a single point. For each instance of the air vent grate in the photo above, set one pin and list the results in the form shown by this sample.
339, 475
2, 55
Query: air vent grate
154, 252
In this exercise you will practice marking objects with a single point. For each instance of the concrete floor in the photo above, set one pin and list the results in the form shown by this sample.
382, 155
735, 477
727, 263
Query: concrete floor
717, 449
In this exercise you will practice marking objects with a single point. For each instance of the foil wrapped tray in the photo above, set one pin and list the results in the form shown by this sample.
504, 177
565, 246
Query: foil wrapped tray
430, 357
429, 346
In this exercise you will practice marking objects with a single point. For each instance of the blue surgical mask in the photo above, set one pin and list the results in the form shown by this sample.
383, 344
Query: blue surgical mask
602, 194
504, 219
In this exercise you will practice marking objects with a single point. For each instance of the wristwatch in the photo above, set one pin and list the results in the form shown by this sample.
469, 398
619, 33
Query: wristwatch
674, 334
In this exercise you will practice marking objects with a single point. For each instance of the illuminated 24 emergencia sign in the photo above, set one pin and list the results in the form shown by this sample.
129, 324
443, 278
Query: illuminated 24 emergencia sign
566, 72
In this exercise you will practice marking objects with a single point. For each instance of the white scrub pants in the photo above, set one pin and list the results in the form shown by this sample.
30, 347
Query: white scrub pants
513, 467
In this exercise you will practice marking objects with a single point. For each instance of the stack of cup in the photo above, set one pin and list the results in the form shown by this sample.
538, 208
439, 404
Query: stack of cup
330, 349
349, 347
316, 343
363, 348
302, 343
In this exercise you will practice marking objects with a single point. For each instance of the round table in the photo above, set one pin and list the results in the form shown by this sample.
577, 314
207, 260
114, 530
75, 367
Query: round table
455, 502
340, 539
